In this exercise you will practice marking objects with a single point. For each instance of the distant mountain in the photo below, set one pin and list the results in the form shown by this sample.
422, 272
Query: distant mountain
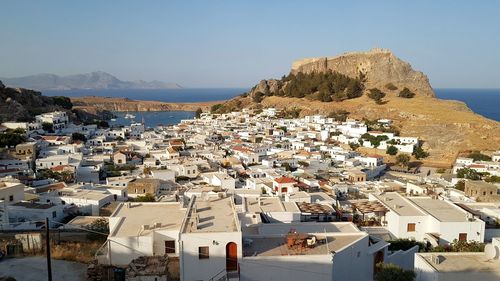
91, 81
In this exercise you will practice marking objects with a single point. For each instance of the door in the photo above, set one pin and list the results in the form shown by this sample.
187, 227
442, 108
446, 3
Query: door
462, 237
231, 257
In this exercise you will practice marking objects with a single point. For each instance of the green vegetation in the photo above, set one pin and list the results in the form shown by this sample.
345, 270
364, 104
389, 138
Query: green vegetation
374, 125
148, 197
339, 115
406, 93
405, 244
303, 163
198, 112
403, 159
466, 173
460, 185
99, 123
63, 102
374, 140
419, 153
492, 179
12, 137
325, 86
353, 145
58, 176
376, 95
441, 170
478, 156
460, 246
100, 228
390, 86
392, 272
392, 150
48, 127
78, 136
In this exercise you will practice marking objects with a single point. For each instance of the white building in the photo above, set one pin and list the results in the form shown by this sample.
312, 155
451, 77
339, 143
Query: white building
425, 219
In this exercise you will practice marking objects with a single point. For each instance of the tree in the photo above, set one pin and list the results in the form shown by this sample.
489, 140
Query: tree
466, 173
392, 150
48, 127
353, 145
478, 156
339, 115
78, 136
390, 86
198, 112
460, 185
101, 229
11, 138
406, 93
403, 159
62, 101
376, 95
392, 272
419, 153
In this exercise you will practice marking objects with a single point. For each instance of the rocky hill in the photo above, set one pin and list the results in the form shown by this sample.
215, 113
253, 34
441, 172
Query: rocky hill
19, 104
92, 103
445, 127
88, 81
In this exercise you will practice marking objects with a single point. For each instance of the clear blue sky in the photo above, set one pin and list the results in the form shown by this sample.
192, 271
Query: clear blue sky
237, 43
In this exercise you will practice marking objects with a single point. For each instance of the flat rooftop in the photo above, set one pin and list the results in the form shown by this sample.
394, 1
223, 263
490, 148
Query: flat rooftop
441, 210
398, 204
169, 215
464, 262
211, 215
277, 246
269, 205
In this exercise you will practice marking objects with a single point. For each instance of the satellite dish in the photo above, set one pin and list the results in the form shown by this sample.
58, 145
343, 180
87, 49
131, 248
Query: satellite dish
492, 251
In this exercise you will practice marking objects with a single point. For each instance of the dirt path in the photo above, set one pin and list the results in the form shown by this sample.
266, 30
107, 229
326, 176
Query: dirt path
35, 268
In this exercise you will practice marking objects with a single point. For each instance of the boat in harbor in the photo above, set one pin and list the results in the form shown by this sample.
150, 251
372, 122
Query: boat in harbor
129, 116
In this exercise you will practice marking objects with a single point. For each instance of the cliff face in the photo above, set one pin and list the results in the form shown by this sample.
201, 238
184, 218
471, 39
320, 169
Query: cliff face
379, 67
446, 128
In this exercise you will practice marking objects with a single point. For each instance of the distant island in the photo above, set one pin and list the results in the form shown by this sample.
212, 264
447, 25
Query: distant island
97, 80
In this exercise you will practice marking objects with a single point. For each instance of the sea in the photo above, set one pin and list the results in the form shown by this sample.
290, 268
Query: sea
482, 101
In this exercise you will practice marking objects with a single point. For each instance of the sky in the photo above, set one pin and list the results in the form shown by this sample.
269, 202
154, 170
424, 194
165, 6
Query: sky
206, 44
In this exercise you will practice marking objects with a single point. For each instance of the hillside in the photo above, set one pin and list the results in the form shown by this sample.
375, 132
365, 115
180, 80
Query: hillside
18, 104
92, 103
446, 127
89, 81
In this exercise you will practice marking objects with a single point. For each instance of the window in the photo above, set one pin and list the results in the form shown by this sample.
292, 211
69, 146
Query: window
54, 214
410, 227
11, 198
203, 253
462, 237
170, 247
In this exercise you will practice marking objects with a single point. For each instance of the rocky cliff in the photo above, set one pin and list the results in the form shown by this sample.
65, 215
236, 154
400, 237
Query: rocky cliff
378, 66
445, 127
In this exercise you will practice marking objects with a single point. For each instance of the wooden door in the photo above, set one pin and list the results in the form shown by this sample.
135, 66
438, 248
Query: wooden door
231, 256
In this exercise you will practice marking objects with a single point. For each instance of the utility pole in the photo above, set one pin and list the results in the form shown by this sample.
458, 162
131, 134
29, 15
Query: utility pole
47, 249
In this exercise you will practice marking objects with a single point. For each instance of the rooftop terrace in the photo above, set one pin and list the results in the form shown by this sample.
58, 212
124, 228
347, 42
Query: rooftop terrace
212, 215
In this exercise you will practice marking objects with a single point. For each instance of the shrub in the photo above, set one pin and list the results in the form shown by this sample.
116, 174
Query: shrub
403, 159
460, 185
405, 244
392, 150
406, 93
392, 272
198, 112
419, 153
466, 173
477, 156
390, 86
148, 197
339, 115
376, 95
78, 136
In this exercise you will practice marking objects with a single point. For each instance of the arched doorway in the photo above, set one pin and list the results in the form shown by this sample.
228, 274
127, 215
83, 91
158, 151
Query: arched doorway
231, 256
